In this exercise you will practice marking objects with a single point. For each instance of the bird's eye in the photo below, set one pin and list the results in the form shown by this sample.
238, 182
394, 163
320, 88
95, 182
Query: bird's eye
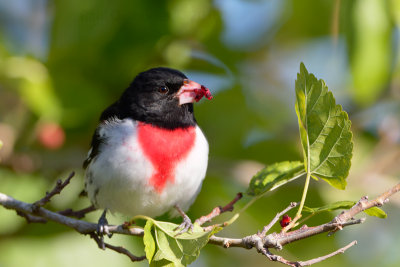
163, 89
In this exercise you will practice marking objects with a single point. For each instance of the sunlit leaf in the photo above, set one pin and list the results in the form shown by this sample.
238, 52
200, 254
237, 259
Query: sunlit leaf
376, 212
274, 176
162, 263
324, 129
148, 240
168, 247
171, 248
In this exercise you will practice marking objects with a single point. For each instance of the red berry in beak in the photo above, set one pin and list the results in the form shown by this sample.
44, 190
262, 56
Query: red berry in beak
192, 92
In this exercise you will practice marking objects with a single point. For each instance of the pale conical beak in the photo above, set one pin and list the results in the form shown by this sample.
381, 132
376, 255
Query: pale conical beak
191, 92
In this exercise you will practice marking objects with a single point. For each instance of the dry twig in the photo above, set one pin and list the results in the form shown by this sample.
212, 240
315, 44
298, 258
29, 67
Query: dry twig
276, 218
121, 250
77, 213
219, 210
60, 185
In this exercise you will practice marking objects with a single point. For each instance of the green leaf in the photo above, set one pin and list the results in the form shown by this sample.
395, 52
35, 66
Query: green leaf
324, 130
374, 211
330, 207
162, 263
274, 176
148, 240
171, 249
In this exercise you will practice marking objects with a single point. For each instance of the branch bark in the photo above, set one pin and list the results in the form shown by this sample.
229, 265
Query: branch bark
80, 226
60, 185
35, 213
219, 210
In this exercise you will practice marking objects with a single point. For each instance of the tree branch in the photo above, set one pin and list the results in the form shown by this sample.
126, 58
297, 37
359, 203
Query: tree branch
219, 210
276, 218
121, 250
77, 213
319, 259
278, 240
80, 226
35, 213
364, 204
273, 257
60, 185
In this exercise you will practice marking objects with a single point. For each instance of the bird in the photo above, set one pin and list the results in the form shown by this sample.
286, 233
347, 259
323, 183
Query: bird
148, 156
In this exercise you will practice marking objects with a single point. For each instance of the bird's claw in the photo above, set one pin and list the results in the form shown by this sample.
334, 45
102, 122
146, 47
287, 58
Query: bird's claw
103, 229
185, 226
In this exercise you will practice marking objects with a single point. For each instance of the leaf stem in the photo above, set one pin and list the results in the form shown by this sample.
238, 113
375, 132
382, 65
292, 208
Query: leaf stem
306, 218
293, 223
303, 197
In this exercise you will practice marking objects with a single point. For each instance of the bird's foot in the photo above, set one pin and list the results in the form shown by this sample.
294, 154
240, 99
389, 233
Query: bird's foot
103, 229
186, 225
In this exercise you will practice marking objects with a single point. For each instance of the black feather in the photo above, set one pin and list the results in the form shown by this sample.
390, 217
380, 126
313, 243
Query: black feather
95, 147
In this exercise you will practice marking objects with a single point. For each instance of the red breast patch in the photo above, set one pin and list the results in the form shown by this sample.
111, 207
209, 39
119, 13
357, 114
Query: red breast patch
165, 149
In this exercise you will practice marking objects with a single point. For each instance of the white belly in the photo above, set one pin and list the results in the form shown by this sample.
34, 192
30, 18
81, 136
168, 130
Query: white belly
118, 178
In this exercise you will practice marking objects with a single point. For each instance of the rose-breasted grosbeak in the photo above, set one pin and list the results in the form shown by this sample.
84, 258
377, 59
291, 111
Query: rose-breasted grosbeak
147, 154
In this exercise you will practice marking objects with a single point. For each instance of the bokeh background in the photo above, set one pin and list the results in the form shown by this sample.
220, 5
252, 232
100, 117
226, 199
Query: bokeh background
63, 62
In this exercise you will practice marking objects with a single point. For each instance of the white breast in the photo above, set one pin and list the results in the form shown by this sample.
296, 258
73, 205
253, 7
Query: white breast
118, 178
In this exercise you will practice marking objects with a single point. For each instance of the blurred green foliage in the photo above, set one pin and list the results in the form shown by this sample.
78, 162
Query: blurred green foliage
62, 62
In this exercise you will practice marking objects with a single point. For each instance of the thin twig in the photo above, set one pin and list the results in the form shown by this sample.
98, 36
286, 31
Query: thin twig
322, 258
78, 213
283, 239
118, 249
126, 252
219, 210
56, 190
276, 218
31, 218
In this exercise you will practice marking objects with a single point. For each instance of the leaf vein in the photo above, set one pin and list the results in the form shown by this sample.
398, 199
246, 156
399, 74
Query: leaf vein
316, 101
329, 152
326, 122
324, 175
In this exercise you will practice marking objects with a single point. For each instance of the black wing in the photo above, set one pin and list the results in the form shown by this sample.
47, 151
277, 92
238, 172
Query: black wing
112, 111
94, 150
